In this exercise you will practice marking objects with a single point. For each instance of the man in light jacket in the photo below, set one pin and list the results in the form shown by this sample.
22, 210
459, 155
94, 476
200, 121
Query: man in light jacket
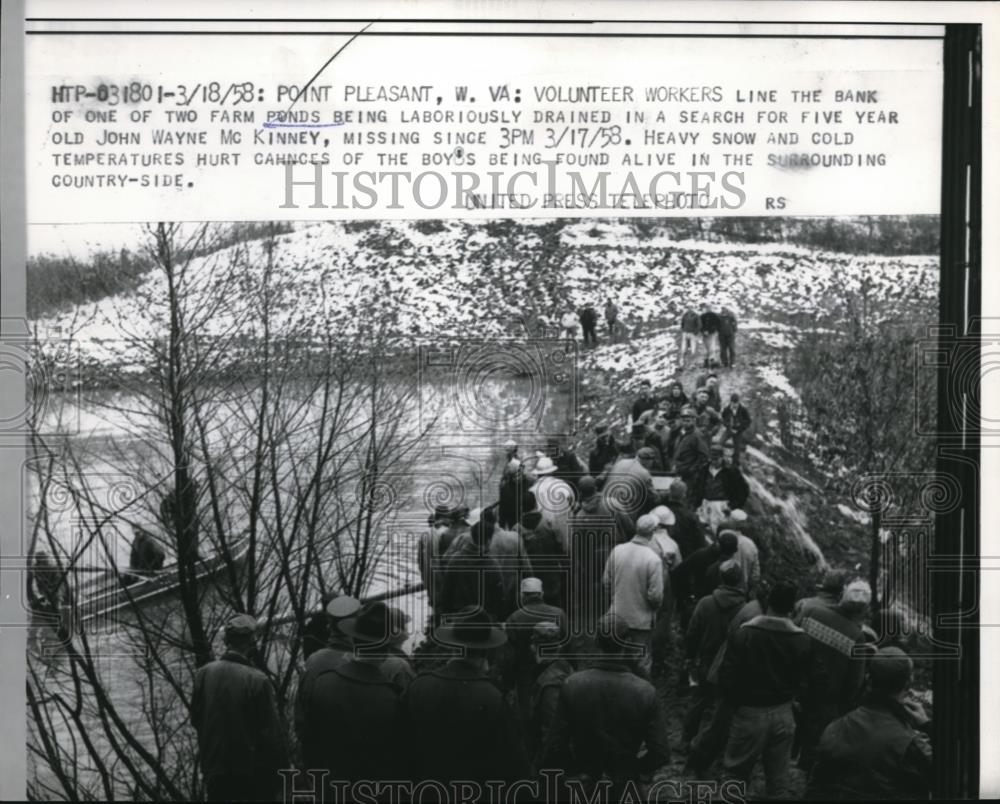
633, 577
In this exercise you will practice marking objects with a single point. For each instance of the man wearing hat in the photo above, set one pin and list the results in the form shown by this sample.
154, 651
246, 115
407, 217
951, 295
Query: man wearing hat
828, 592
718, 488
337, 646
880, 750
634, 579
690, 449
838, 663
520, 665
605, 713
554, 498
460, 727
605, 450
352, 724
471, 576
241, 742
447, 523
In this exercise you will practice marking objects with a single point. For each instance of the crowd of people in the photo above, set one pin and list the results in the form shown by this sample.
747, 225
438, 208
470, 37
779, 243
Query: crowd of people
564, 617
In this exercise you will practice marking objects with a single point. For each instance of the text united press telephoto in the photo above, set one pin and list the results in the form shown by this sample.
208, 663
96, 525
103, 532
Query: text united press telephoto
499, 409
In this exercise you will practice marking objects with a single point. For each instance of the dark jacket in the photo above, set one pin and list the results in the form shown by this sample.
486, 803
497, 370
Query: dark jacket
353, 724
319, 661
690, 453
146, 555
727, 325
315, 633
515, 499
234, 711
710, 323
766, 662
605, 452
460, 728
640, 406
593, 533
686, 530
709, 626
672, 405
471, 577
734, 486
825, 600
520, 666
691, 322
545, 702
604, 715
690, 577
548, 561
707, 419
872, 754
836, 675
588, 316
737, 421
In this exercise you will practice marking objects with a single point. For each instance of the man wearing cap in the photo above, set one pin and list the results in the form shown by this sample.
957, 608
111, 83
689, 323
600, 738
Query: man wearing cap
458, 724
352, 724
338, 645
690, 449
838, 663
634, 579
707, 418
605, 714
705, 636
605, 451
764, 669
446, 524
827, 596
718, 488
736, 421
879, 750
241, 743
669, 554
520, 666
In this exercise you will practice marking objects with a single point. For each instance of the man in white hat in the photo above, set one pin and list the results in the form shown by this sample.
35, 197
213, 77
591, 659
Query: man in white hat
554, 498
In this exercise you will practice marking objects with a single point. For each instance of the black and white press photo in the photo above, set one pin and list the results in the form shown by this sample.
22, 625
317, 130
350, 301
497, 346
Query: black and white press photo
558, 506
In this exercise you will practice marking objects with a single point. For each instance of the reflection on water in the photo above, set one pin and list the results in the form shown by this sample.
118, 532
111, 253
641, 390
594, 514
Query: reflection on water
458, 462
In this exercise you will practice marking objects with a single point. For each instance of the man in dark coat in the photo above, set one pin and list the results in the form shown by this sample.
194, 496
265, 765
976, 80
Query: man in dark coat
336, 645
827, 594
611, 318
707, 418
234, 711
686, 530
764, 669
674, 402
588, 323
710, 326
594, 530
605, 714
520, 666
553, 669
690, 449
727, 337
838, 664
605, 451
458, 724
471, 577
880, 750
569, 467
352, 725
735, 421
706, 633
710, 384
719, 482
645, 401
146, 555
